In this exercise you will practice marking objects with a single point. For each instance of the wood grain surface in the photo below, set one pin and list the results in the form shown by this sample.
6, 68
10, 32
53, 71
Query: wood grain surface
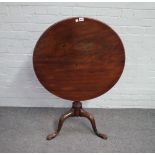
79, 59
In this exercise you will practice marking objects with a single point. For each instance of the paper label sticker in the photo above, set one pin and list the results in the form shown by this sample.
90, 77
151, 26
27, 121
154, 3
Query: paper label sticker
80, 19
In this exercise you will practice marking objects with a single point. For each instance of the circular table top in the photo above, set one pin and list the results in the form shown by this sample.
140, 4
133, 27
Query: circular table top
79, 58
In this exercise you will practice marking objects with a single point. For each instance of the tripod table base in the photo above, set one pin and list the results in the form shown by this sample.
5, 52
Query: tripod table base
76, 111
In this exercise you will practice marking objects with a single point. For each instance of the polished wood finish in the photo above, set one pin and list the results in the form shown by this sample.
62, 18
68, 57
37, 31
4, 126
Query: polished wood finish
76, 110
78, 60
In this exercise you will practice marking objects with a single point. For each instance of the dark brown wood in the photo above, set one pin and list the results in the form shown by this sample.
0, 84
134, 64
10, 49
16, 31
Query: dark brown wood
76, 111
78, 59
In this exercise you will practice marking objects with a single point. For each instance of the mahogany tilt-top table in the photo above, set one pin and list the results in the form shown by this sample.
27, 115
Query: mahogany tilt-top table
78, 59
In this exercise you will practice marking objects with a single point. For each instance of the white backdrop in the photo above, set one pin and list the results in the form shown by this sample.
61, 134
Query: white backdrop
21, 24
